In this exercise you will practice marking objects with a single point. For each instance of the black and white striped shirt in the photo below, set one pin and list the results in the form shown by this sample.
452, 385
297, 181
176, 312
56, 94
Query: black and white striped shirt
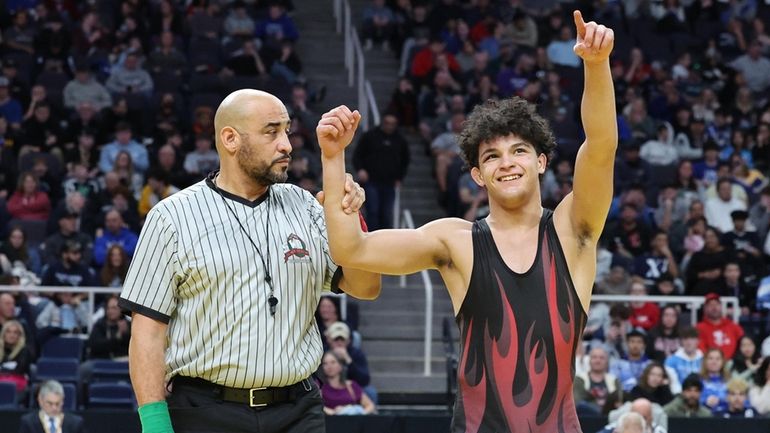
195, 269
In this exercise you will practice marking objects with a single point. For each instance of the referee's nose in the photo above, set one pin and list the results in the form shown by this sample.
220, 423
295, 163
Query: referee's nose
284, 145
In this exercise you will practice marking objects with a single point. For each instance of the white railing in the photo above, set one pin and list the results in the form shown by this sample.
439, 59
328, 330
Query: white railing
408, 223
695, 302
92, 291
355, 65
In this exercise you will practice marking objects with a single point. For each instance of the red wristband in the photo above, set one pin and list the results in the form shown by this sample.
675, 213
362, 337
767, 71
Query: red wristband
361, 219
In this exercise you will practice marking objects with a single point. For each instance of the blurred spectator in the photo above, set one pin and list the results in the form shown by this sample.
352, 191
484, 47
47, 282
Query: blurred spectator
203, 159
746, 360
156, 189
84, 88
652, 415
381, 160
737, 399
630, 236
19, 37
716, 331
688, 358
239, 25
246, 61
617, 282
110, 335
129, 176
14, 252
664, 338
15, 357
353, 359
115, 268
687, 404
68, 270
759, 394
653, 385
445, 149
704, 270
65, 313
630, 368
660, 151
659, 261
377, 25
115, 232
560, 52
744, 246
42, 132
403, 103
597, 390
342, 396
10, 108
631, 422
51, 418
754, 67
166, 58
29, 203
759, 214
714, 374
644, 315
277, 26
130, 79
123, 142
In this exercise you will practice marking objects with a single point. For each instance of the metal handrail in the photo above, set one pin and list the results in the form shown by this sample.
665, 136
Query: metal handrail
693, 301
92, 291
408, 223
355, 63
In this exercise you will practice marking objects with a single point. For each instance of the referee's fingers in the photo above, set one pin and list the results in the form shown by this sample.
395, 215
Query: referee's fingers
320, 197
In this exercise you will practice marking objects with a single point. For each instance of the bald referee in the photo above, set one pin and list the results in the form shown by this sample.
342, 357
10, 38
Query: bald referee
224, 284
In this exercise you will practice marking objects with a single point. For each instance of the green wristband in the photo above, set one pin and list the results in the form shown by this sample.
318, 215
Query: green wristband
155, 418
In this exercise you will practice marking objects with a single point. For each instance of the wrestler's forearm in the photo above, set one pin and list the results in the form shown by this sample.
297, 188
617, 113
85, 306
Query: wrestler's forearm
146, 353
598, 107
345, 234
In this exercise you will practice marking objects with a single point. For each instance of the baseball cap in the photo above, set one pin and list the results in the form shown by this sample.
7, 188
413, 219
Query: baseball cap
338, 329
72, 246
712, 297
69, 214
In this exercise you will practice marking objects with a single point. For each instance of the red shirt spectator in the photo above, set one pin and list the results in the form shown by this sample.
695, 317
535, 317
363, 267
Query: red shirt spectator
644, 315
28, 203
717, 332
425, 59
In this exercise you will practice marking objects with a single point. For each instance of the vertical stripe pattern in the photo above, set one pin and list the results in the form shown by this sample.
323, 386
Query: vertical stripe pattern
195, 269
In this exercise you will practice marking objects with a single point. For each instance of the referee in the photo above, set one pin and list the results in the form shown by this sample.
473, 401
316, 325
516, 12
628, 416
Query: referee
224, 284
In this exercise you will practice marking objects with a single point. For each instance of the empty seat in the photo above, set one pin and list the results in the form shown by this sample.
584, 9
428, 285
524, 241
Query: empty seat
109, 371
63, 347
110, 395
61, 369
7, 395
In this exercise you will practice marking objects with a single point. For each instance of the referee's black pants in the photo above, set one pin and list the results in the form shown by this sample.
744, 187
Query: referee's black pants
195, 411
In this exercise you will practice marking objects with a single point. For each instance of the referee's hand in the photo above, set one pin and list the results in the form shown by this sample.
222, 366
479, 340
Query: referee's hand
354, 195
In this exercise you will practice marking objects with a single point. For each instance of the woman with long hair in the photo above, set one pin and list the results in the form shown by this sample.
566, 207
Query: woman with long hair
124, 167
653, 385
342, 396
29, 202
14, 251
664, 337
759, 394
115, 268
714, 374
15, 356
746, 360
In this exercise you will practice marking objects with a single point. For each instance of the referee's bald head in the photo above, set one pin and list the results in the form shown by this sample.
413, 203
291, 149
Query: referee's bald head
241, 109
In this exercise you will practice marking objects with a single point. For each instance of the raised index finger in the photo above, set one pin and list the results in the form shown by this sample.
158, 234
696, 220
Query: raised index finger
580, 25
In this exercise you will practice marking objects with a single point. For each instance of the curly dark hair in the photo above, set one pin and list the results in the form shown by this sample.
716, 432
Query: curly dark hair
500, 118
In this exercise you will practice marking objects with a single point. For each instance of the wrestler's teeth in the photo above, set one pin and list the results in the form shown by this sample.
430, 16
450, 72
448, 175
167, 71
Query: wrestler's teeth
512, 177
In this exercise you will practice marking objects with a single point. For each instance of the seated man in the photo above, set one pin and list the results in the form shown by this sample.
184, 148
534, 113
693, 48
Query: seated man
687, 404
338, 338
717, 331
597, 389
630, 368
51, 417
654, 416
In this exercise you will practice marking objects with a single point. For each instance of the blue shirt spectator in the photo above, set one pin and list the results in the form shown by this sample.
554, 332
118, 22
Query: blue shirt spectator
123, 143
115, 233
